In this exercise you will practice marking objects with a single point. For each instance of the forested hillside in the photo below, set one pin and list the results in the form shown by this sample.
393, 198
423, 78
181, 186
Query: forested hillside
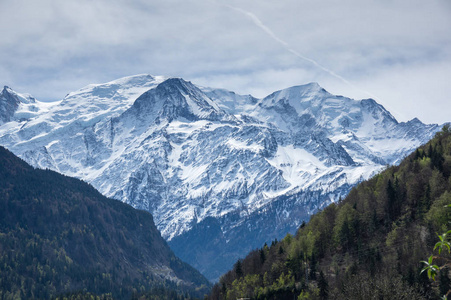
368, 246
59, 235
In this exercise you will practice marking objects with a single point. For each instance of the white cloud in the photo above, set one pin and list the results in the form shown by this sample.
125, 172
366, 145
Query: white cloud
394, 49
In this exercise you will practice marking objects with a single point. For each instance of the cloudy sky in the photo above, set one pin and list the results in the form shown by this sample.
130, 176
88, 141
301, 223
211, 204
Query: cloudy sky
398, 52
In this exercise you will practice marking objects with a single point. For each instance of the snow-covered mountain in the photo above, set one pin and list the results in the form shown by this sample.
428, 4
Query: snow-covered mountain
222, 173
19, 107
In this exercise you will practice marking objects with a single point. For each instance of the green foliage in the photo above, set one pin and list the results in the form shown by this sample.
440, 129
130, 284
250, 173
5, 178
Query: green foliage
430, 268
437, 216
304, 295
443, 243
346, 227
381, 286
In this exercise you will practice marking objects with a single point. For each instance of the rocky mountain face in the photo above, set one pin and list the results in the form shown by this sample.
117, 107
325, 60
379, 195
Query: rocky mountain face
20, 107
222, 173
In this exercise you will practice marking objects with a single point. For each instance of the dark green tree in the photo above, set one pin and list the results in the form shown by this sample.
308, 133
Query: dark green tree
262, 256
323, 286
313, 263
238, 269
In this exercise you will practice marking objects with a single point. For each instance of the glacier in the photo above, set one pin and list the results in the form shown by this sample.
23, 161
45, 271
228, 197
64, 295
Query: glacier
221, 173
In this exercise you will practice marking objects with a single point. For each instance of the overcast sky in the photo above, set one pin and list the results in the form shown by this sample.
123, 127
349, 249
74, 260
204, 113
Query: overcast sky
398, 52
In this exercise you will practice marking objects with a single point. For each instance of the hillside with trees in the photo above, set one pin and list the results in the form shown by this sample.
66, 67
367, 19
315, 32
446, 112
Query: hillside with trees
59, 237
368, 246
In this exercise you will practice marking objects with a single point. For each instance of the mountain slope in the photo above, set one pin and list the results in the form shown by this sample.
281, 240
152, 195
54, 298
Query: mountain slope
59, 234
368, 246
189, 154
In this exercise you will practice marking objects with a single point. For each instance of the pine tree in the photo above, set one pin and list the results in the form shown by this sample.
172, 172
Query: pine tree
313, 263
262, 256
238, 269
323, 286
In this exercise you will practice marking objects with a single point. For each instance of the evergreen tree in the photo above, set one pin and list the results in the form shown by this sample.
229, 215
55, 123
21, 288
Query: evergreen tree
323, 286
313, 263
392, 206
262, 256
238, 269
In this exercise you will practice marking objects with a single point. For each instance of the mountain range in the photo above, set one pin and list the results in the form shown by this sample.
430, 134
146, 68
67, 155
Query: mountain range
222, 173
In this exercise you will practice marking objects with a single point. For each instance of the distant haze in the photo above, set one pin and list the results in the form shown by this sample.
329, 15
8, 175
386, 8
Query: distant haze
398, 52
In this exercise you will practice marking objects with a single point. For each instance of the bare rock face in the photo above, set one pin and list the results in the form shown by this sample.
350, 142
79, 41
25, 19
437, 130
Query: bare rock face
9, 103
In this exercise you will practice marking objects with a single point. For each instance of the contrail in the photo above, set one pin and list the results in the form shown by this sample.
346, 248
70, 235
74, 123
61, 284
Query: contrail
268, 31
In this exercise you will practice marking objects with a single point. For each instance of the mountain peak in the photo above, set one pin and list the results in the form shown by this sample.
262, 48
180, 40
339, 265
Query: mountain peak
173, 98
377, 110
21, 98
312, 85
9, 102
369, 102
125, 88
179, 83
177, 80
136, 79
415, 121
309, 88
297, 94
